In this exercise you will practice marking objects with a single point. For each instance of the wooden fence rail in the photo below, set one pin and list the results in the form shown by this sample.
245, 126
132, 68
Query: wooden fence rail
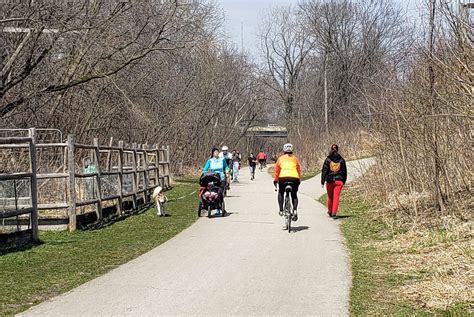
25, 142
147, 166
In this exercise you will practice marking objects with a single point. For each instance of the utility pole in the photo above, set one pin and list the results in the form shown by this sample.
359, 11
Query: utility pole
241, 36
433, 108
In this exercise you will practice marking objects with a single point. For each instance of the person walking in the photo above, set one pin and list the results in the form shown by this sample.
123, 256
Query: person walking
252, 165
218, 165
227, 156
236, 165
334, 175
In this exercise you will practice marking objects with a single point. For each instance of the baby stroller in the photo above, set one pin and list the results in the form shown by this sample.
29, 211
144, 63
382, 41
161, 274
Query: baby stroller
211, 194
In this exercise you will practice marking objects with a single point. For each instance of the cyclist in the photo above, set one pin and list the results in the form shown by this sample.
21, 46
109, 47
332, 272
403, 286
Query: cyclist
217, 164
227, 156
261, 157
288, 171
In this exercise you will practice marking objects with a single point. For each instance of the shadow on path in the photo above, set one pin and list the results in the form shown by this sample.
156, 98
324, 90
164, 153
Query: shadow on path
227, 214
299, 228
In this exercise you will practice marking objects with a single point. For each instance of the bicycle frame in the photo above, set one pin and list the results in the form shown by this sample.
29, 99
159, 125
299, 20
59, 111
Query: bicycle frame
287, 206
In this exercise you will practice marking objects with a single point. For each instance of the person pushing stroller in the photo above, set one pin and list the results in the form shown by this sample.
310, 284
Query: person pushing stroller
218, 165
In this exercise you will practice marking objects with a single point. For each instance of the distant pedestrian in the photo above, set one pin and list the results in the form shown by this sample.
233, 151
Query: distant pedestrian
236, 165
334, 174
252, 165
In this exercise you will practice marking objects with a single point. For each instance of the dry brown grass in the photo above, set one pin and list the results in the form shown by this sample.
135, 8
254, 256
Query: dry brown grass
437, 264
430, 252
424, 262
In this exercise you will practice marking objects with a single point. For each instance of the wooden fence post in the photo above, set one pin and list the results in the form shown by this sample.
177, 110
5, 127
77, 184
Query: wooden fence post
146, 179
157, 164
72, 183
135, 176
120, 167
109, 155
98, 178
33, 185
167, 166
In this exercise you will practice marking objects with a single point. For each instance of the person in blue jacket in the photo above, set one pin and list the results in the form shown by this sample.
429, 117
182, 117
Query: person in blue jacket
218, 165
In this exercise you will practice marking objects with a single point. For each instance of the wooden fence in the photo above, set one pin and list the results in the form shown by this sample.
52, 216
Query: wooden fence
137, 168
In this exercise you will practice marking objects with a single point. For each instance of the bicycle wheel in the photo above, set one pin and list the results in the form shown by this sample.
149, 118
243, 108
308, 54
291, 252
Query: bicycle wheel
289, 222
288, 212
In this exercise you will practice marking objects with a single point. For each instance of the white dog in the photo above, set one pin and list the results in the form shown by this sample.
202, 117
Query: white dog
160, 200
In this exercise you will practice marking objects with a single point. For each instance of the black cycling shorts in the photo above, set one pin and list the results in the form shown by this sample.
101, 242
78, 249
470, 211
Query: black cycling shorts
294, 182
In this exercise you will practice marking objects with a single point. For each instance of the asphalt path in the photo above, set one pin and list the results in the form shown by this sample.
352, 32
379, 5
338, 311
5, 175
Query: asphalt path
241, 264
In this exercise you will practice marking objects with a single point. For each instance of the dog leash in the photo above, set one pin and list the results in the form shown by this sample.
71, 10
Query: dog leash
182, 197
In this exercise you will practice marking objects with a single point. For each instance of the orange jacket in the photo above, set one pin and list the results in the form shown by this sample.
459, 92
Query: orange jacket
287, 166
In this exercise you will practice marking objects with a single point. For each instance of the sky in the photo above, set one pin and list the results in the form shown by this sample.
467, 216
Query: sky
249, 13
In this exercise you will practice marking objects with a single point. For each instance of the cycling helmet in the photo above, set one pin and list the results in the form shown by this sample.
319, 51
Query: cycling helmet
225, 148
288, 147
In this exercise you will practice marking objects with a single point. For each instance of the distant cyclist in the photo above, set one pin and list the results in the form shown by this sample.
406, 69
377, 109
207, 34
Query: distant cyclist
288, 171
261, 157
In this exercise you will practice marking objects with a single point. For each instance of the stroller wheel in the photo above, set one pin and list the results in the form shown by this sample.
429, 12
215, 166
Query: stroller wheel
224, 212
209, 211
199, 208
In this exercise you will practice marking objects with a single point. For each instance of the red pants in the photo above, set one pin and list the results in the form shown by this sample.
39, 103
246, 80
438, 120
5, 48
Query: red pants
334, 191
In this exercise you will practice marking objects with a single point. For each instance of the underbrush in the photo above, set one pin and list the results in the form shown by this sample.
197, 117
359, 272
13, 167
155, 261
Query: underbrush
406, 263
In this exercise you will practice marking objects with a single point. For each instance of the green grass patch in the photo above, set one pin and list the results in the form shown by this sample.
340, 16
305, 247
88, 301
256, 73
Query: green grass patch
306, 174
373, 277
309, 174
271, 170
188, 179
66, 260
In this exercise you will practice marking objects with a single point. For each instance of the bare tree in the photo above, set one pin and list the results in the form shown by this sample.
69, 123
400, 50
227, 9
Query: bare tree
286, 46
85, 42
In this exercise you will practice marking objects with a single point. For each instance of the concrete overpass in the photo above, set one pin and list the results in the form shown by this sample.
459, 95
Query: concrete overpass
269, 131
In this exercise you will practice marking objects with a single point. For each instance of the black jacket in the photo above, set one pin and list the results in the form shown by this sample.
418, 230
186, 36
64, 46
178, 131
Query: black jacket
330, 176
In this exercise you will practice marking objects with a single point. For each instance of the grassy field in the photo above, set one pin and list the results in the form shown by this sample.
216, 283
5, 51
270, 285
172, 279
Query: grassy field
65, 260
377, 277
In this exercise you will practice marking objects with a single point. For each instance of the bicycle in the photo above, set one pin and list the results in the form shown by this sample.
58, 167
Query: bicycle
287, 206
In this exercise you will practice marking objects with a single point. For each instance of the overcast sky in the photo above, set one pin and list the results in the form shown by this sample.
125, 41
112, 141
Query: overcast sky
250, 12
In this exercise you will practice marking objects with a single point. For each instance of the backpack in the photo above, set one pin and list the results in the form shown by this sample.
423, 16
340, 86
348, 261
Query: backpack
334, 167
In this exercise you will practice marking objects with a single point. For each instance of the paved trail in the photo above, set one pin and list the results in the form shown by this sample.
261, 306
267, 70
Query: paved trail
243, 264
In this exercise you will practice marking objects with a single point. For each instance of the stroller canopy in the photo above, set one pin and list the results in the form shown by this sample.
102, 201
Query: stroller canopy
208, 177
